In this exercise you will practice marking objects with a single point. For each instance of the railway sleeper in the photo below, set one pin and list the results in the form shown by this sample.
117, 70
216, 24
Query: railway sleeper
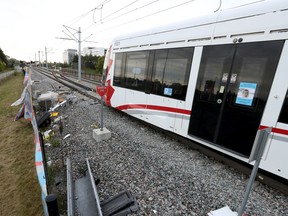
83, 193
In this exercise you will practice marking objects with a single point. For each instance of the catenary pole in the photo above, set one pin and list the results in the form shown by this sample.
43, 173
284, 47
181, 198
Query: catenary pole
72, 37
39, 58
46, 58
79, 55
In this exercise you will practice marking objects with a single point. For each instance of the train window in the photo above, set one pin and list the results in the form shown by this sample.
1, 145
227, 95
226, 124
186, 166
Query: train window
171, 72
284, 112
136, 69
214, 72
118, 75
254, 66
212, 76
159, 66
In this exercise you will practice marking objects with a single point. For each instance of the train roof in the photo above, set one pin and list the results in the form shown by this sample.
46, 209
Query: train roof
249, 19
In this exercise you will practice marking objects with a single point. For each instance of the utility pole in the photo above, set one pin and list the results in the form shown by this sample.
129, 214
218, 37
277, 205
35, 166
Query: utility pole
72, 37
79, 55
46, 58
39, 58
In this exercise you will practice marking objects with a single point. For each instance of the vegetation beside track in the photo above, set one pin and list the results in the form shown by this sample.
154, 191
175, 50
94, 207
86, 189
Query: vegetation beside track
6, 70
20, 192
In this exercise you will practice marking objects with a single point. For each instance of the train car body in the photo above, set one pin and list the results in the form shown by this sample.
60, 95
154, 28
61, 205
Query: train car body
215, 80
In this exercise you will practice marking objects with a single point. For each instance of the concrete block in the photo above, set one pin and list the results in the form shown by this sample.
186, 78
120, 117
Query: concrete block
99, 135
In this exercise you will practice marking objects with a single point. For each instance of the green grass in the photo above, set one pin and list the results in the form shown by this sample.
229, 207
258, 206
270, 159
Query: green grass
20, 192
8, 92
89, 71
55, 143
86, 70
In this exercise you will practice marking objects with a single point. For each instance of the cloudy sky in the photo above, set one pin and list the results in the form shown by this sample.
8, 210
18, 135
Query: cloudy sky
28, 26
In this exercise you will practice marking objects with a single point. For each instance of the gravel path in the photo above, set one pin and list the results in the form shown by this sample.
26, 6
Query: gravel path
165, 176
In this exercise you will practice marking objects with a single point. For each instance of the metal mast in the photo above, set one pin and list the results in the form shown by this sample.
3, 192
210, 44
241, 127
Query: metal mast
79, 55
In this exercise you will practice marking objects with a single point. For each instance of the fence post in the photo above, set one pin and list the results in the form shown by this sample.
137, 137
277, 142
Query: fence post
52, 206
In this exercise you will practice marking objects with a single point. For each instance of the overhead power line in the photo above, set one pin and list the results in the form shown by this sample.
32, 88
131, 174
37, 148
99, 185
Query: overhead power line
126, 6
103, 20
127, 12
143, 17
73, 21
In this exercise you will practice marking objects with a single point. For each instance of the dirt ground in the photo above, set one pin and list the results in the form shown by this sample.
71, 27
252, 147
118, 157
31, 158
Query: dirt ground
20, 192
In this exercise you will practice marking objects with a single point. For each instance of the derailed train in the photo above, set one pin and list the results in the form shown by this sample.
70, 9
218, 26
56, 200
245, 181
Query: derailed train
216, 80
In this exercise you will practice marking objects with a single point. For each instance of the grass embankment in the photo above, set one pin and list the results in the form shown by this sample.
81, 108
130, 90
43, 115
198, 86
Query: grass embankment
20, 192
6, 70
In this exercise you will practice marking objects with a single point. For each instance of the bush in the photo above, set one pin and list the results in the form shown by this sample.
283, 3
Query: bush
2, 66
99, 65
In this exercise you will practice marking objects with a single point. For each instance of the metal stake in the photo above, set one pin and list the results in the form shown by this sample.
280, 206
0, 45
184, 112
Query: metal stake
256, 154
101, 113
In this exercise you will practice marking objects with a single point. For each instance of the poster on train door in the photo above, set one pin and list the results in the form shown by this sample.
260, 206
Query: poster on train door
246, 93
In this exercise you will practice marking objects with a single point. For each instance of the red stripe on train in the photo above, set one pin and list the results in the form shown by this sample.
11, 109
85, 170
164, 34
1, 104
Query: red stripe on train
154, 107
182, 111
275, 130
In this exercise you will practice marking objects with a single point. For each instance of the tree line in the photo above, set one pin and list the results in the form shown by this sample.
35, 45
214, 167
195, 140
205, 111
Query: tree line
3, 60
6, 62
87, 62
91, 62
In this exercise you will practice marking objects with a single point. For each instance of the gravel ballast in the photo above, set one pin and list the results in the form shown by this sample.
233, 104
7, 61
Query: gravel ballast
165, 176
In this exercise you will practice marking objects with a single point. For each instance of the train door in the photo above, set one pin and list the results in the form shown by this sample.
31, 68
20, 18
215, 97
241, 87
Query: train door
232, 88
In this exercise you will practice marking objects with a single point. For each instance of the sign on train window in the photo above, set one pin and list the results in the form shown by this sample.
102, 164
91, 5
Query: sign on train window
246, 93
168, 91
233, 78
224, 77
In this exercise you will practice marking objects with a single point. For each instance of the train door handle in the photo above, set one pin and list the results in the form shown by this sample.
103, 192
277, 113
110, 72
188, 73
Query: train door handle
219, 101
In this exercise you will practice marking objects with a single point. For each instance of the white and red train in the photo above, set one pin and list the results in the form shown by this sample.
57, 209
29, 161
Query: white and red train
215, 80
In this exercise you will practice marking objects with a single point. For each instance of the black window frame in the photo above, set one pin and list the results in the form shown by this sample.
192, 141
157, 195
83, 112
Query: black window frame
173, 59
283, 117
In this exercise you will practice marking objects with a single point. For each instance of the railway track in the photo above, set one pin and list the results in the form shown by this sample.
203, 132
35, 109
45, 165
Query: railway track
80, 87
262, 176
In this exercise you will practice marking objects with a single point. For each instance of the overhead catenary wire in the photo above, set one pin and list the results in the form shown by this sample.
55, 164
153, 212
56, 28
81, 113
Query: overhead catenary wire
143, 17
149, 4
73, 21
72, 36
126, 6
104, 21
100, 13
220, 4
96, 23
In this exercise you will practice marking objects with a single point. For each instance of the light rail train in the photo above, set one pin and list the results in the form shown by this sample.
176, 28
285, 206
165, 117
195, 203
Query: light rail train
215, 80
